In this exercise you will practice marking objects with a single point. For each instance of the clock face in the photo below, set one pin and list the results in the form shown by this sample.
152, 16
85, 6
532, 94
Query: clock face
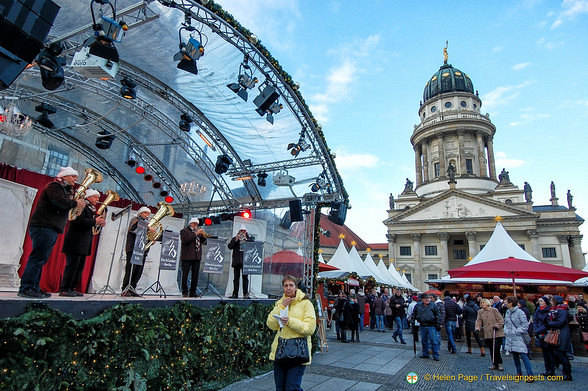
433, 109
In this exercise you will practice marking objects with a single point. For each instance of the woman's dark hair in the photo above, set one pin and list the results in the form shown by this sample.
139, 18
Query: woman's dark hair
512, 300
295, 280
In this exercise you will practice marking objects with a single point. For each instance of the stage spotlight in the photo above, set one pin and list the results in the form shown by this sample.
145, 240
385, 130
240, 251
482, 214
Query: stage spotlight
45, 110
207, 221
132, 160
265, 99
185, 121
301, 146
275, 108
222, 164
245, 81
156, 185
169, 199
189, 52
148, 177
246, 214
261, 179
128, 88
140, 169
51, 66
164, 192
104, 140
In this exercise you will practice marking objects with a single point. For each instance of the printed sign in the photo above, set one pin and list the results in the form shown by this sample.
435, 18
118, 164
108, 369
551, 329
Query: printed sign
214, 256
140, 242
169, 250
253, 258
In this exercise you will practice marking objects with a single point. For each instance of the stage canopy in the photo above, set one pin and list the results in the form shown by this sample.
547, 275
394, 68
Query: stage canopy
216, 122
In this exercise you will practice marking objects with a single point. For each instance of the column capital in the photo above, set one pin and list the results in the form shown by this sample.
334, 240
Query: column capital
563, 239
392, 237
532, 233
444, 236
576, 240
471, 235
416, 237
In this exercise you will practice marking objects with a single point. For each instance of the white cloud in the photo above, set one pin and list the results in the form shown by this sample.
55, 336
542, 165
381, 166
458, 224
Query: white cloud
503, 161
571, 9
520, 66
502, 95
497, 49
352, 161
549, 45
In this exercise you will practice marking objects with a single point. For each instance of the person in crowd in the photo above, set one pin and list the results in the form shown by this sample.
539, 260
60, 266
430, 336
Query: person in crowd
371, 299
522, 304
490, 319
516, 325
299, 321
47, 221
398, 305
558, 320
361, 300
236, 244
441, 305
540, 330
452, 310
415, 325
77, 245
582, 317
429, 318
497, 302
459, 328
581, 301
133, 272
379, 312
354, 318
192, 239
470, 314
387, 311
343, 316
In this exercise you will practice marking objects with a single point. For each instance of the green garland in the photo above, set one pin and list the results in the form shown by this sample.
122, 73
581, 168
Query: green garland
129, 347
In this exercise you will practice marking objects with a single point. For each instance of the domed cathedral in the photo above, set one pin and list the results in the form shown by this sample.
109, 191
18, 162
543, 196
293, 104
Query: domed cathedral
446, 216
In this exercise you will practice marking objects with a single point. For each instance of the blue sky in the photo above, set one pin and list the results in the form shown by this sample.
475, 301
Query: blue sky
362, 67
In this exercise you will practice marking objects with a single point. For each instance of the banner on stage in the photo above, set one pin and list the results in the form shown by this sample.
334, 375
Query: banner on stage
140, 242
214, 256
253, 258
169, 250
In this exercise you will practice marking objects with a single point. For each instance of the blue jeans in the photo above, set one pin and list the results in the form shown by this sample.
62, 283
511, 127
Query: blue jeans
429, 341
517, 362
380, 322
288, 378
399, 325
43, 241
361, 316
450, 330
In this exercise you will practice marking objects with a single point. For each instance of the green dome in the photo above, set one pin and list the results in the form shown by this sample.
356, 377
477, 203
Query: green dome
447, 79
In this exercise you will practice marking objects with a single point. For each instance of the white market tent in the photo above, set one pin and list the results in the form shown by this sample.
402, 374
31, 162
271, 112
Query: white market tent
411, 287
361, 269
340, 259
391, 270
378, 275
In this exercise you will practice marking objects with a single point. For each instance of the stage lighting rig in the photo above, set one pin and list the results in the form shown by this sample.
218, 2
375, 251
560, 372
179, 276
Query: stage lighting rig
45, 110
261, 179
127, 90
283, 179
296, 148
104, 139
266, 98
185, 122
99, 57
190, 51
319, 184
51, 66
223, 162
245, 81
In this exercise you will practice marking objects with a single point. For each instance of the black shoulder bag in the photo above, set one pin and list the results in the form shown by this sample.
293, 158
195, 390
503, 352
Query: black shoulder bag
292, 351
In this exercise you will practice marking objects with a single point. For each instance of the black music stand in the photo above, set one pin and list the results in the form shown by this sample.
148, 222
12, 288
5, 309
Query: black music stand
156, 287
210, 287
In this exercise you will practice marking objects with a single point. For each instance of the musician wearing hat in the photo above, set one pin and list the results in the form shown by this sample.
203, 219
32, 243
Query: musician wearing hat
47, 221
77, 244
133, 272
236, 244
192, 239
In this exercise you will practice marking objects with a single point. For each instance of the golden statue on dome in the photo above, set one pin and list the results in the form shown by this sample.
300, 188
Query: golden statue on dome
445, 55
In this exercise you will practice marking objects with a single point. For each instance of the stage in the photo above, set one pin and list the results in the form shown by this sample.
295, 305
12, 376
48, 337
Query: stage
90, 305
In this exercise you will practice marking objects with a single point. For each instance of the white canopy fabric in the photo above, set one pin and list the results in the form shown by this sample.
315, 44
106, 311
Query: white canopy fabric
342, 260
501, 246
391, 270
485, 280
361, 269
378, 275
411, 287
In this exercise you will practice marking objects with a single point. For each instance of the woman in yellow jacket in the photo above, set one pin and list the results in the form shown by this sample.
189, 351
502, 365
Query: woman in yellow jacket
299, 322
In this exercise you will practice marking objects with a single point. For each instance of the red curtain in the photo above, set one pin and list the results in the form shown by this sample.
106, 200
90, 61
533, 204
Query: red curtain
53, 269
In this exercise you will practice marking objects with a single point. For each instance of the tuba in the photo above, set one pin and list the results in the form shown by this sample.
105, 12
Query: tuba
165, 209
111, 195
92, 176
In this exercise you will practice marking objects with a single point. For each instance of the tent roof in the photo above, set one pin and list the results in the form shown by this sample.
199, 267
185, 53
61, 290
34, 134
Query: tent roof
378, 275
360, 268
391, 270
342, 260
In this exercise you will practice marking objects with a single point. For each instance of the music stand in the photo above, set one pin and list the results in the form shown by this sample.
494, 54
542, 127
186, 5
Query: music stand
210, 287
158, 287
107, 288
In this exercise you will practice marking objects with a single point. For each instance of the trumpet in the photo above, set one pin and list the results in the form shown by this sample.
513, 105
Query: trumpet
111, 196
165, 209
91, 176
200, 230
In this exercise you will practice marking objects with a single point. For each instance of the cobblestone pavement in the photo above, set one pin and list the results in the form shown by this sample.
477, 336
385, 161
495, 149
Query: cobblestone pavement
378, 363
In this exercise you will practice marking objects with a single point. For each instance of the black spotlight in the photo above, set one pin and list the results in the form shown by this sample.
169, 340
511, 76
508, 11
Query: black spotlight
189, 53
185, 121
128, 88
265, 99
148, 177
132, 161
45, 110
222, 164
104, 140
163, 192
261, 179
51, 66
156, 185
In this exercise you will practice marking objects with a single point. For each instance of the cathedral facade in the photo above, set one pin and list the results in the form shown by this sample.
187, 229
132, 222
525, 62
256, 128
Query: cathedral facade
446, 216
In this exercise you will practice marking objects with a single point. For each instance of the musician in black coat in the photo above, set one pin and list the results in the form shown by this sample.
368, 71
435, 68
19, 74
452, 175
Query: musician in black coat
236, 244
192, 240
47, 221
77, 244
133, 272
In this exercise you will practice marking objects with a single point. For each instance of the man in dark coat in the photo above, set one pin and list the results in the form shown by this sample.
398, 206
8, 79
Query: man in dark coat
236, 244
398, 305
77, 244
48, 220
192, 240
133, 272
451, 312
429, 318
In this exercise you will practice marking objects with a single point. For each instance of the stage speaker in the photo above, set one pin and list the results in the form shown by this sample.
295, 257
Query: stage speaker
338, 213
296, 211
286, 223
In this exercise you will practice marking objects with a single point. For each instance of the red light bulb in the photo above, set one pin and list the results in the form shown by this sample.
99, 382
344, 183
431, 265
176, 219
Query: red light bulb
169, 199
140, 170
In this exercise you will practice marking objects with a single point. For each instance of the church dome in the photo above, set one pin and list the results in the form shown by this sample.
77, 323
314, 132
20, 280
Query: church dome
447, 79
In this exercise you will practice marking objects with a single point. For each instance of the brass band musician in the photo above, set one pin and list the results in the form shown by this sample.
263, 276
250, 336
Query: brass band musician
133, 272
192, 239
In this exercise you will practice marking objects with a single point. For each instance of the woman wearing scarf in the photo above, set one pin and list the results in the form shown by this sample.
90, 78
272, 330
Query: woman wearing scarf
490, 319
558, 320
515, 326
540, 330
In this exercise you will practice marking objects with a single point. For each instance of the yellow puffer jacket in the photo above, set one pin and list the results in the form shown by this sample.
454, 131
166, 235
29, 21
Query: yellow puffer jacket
301, 322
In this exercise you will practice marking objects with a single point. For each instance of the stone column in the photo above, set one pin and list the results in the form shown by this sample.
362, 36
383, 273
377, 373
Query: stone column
391, 247
481, 158
565, 250
534, 236
425, 146
444, 252
418, 165
442, 168
472, 244
491, 164
462, 158
578, 261
418, 261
